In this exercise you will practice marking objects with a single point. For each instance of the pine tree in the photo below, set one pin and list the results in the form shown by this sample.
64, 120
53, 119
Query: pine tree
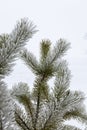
10, 45
46, 108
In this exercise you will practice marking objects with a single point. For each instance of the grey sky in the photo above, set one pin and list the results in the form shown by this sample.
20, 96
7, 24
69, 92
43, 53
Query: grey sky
55, 19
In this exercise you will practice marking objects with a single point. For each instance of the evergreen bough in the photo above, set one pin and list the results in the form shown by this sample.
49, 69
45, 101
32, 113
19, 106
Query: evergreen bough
10, 45
46, 108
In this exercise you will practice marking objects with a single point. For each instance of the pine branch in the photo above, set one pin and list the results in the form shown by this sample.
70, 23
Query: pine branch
6, 108
11, 44
43, 88
71, 99
51, 108
59, 50
28, 106
38, 101
30, 60
23, 97
50, 120
78, 114
21, 123
48, 60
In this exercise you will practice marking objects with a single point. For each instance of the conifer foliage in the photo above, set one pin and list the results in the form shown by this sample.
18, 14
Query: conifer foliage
47, 108
10, 45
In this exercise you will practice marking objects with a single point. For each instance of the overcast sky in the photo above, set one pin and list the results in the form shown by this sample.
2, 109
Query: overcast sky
54, 19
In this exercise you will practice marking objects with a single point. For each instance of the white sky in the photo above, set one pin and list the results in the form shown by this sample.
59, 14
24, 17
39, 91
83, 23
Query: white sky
55, 19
